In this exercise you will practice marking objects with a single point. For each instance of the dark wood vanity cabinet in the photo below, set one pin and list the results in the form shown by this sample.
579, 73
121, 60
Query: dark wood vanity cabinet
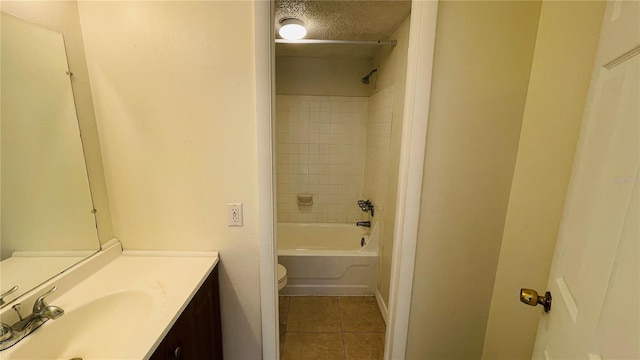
196, 335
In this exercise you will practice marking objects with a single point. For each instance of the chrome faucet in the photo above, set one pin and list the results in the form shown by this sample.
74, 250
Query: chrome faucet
42, 312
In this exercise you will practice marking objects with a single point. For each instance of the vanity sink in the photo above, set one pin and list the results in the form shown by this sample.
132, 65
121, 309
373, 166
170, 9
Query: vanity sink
91, 329
121, 310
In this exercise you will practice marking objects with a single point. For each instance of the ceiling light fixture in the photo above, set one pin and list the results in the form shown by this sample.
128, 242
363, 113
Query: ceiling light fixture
292, 29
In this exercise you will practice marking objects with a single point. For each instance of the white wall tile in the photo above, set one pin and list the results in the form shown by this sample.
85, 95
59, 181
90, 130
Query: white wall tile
380, 109
321, 148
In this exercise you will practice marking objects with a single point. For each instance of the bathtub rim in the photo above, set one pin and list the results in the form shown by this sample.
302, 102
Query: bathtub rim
371, 247
313, 252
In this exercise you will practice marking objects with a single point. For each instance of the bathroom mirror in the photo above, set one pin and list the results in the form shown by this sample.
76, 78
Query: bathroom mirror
46, 212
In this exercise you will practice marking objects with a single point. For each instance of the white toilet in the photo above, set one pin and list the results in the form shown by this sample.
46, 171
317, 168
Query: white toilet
282, 277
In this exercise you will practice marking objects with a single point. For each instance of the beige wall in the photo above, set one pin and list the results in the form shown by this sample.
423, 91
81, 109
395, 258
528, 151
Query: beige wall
322, 76
175, 103
62, 17
392, 65
482, 60
565, 49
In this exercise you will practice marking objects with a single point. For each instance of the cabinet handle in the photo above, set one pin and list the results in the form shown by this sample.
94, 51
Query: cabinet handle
177, 352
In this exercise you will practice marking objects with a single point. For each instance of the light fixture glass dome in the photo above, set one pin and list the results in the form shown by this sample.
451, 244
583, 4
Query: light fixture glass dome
292, 29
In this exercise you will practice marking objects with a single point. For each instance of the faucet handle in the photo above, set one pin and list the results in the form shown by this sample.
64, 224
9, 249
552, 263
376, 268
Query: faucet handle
6, 332
40, 303
17, 307
366, 205
10, 291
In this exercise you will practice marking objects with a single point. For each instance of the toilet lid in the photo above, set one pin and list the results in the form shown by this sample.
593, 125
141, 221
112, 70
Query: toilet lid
282, 272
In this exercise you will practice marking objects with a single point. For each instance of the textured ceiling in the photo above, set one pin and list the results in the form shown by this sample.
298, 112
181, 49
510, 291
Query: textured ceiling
341, 20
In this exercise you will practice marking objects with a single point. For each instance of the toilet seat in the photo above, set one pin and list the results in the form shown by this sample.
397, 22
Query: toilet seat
282, 277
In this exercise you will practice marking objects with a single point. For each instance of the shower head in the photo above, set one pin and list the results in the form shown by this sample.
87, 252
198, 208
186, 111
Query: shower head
365, 80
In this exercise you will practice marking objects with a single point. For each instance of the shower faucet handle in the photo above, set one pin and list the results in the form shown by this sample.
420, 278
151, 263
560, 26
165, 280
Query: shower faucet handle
362, 203
366, 205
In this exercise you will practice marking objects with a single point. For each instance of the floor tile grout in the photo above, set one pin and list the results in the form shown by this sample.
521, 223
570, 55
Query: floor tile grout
344, 345
341, 331
286, 328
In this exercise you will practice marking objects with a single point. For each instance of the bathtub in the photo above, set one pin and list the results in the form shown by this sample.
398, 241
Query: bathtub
328, 259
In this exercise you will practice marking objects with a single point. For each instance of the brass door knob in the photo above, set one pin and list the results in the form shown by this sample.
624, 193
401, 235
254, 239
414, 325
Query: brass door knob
530, 297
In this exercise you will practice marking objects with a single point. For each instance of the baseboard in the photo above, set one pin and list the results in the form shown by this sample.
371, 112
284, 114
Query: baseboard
381, 305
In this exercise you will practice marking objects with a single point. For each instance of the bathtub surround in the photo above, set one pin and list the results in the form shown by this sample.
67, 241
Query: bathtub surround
392, 74
378, 135
169, 110
320, 150
377, 169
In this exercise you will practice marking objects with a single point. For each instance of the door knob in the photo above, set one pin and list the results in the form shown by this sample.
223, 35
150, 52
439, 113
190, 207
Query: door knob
530, 297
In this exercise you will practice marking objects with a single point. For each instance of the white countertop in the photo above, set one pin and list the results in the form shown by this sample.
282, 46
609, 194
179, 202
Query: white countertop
131, 304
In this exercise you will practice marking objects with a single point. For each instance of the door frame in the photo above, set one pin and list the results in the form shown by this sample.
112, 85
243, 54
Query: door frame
265, 97
421, 50
422, 37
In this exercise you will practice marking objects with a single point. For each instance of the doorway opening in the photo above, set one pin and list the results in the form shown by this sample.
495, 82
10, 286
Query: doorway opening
337, 139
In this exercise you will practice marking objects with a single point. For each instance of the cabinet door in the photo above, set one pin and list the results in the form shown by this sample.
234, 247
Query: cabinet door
196, 334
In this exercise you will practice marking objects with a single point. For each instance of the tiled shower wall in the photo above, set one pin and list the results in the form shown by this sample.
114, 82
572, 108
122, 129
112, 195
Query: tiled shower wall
377, 165
377, 155
321, 146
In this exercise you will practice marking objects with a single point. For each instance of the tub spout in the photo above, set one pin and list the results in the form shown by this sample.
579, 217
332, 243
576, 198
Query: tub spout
364, 223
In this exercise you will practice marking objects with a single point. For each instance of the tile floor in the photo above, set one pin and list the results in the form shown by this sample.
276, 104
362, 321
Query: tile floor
330, 327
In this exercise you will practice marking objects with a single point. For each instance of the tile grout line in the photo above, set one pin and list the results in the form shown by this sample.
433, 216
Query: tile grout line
286, 327
344, 345
286, 320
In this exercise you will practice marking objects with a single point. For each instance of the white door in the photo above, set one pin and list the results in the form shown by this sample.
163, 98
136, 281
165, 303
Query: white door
595, 276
